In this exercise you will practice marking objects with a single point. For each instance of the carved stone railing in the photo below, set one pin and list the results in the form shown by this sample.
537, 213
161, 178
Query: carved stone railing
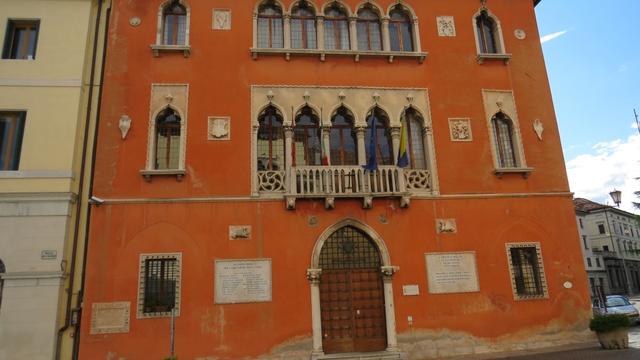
330, 182
271, 181
417, 179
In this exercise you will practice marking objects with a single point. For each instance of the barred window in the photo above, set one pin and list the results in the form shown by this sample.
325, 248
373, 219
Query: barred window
368, 26
303, 26
270, 141
270, 28
527, 274
167, 145
336, 28
174, 24
503, 135
486, 29
400, 29
159, 287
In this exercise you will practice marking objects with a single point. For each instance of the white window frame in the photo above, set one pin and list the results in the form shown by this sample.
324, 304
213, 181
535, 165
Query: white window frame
159, 46
501, 53
141, 285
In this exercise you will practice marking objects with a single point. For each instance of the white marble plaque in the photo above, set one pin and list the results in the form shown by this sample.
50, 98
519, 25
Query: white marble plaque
454, 272
410, 290
110, 318
221, 19
242, 281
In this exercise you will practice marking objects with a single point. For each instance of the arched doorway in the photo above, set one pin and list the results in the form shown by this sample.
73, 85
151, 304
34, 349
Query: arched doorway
352, 299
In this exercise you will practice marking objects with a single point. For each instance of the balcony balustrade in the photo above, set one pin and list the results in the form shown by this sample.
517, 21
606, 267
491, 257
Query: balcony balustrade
331, 182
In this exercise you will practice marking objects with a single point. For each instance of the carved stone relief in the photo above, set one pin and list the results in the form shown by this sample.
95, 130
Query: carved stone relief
460, 129
239, 232
124, 125
219, 128
446, 26
538, 127
221, 19
446, 226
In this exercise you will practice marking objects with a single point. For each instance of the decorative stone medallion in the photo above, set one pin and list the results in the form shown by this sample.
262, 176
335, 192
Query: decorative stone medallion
110, 318
135, 21
460, 129
219, 128
520, 34
446, 26
446, 226
221, 19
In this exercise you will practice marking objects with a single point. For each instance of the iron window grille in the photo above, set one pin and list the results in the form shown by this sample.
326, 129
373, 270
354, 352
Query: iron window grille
527, 271
159, 286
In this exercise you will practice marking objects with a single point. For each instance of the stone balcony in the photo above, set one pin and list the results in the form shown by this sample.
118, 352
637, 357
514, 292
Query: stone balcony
331, 182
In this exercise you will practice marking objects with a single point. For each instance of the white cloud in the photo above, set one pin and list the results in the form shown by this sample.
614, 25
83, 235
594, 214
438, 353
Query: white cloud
614, 164
552, 36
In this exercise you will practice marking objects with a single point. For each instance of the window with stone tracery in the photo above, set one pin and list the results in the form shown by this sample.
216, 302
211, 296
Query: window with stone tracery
270, 25
369, 29
174, 24
167, 140
342, 138
336, 28
400, 29
307, 147
378, 121
504, 140
303, 26
415, 142
270, 144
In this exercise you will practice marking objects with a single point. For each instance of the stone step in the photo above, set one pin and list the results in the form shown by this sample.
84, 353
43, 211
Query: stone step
380, 355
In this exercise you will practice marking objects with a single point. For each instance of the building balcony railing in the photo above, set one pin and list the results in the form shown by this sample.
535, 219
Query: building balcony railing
331, 182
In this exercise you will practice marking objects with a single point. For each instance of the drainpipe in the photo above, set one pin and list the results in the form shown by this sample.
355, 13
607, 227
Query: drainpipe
80, 198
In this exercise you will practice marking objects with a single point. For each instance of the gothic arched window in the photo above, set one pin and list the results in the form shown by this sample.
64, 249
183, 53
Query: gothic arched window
270, 147
303, 26
487, 34
413, 123
400, 29
342, 138
336, 28
383, 145
307, 146
503, 135
270, 33
174, 24
167, 140
368, 26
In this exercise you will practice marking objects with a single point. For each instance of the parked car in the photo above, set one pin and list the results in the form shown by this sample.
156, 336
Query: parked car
616, 304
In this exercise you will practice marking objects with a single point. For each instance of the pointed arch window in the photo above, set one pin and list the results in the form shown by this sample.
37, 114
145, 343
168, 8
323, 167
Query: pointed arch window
383, 145
400, 30
174, 24
303, 26
167, 140
342, 138
487, 34
270, 143
270, 33
415, 139
368, 27
336, 28
307, 146
504, 139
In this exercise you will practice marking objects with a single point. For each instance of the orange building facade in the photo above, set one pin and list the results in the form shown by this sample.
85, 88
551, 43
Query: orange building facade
303, 179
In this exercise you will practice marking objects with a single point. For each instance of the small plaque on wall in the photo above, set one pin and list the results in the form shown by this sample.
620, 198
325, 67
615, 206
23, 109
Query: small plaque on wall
453, 272
110, 318
242, 281
221, 19
410, 290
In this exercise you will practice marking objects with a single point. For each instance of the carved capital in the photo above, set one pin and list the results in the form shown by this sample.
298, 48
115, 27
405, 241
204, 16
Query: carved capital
388, 271
360, 131
329, 203
395, 132
313, 275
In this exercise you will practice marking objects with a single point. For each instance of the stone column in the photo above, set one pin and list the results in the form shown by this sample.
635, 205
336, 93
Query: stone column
326, 132
396, 132
387, 276
386, 40
254, 160
313, 275
320, 32
430, 157
353, 33
362, 154
255, 30
286, 29
416, 36
288, 159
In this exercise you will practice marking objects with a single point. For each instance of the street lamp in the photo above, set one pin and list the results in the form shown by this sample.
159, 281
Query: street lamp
616, 195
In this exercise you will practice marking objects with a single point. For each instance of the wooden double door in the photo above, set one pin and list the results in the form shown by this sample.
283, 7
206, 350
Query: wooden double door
352, 294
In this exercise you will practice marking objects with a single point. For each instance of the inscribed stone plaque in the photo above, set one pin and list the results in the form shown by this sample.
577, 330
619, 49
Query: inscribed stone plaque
242, 281
110, 318
453, 272
410, 290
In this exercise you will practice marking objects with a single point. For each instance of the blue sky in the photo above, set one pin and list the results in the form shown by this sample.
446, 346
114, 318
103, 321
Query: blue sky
594, 70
